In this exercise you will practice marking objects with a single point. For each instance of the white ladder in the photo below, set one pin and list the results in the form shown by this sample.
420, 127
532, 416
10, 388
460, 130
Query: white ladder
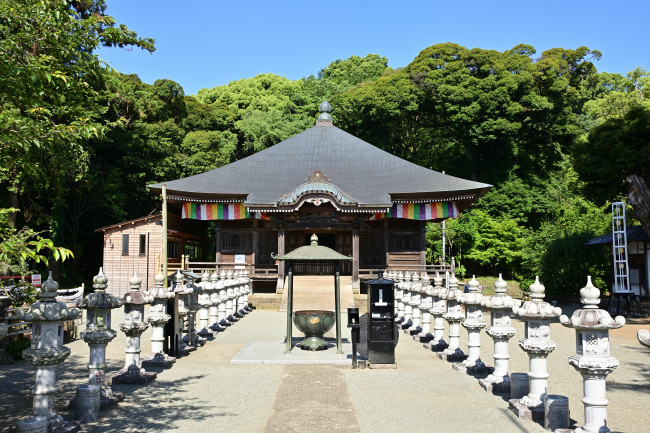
619, 249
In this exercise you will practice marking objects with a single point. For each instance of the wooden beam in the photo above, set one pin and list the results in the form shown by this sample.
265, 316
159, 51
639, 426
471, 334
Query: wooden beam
281, 243
355, 261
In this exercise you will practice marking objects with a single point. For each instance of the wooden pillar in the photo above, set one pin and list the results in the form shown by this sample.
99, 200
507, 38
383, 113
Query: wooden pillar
256, 243
337, 305
164, 231
219, 244
423, 245
386, 241
280, 285
355, 261
289, 307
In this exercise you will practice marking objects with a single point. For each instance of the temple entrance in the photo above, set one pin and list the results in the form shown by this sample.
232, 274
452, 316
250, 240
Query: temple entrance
339, 241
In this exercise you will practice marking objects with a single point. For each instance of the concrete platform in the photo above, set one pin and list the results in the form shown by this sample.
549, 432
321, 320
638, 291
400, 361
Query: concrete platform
272, 352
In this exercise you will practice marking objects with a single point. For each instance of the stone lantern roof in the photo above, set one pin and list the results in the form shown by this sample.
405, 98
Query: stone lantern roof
500, 301
536, 308
591, 317
99, 299
135, 296
48, 309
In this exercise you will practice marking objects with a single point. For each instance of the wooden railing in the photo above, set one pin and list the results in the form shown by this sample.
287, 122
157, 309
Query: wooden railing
272, 271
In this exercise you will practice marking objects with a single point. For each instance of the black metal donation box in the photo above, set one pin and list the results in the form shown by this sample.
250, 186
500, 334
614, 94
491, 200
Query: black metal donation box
382, 329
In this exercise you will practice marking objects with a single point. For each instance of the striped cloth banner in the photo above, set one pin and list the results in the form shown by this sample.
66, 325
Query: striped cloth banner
420, 211
218, 211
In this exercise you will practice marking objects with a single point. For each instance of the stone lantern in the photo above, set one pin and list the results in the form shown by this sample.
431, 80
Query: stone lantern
186, 342
406, 300
538, 345
416, 298
45, 354
98, 334
592, 359
158, 317
133, 326
473, 323
453, 316
399, 296
501, 331
230, 296
438, 308
247, 291
193, 290
205, 287
426, 290
237, 292
223, 296
215, 300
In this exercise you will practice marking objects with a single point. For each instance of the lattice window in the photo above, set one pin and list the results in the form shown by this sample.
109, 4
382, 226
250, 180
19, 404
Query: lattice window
534, 326
498, 316
592, 340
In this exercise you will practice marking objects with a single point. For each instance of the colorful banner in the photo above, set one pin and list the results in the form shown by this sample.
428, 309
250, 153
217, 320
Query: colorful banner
218, 211
420, 211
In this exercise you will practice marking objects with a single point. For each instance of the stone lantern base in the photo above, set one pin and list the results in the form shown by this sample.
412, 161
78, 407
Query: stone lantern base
452, 356
134, 376
436, 346
496, 388
40, 425
478, 369
158, 360
531, 413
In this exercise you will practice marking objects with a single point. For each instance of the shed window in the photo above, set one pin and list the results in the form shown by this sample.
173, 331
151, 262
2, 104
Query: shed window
143, 244
125, 245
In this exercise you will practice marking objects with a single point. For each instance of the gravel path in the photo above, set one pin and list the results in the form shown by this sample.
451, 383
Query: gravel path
203, 392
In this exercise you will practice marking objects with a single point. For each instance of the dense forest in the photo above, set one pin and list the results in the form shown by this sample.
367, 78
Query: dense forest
79, 142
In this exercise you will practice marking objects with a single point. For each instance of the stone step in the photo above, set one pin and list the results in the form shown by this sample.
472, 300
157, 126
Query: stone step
265, 301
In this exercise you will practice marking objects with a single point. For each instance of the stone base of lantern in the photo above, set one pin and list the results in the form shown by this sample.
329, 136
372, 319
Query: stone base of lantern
407, 324
216, 328
105, 400
134, 376
455, 356
413, 332
531, 413
501, 388
68, 427
110, 399
479, 368
436, 346
423, 338
40, 425
158, 360
207, 334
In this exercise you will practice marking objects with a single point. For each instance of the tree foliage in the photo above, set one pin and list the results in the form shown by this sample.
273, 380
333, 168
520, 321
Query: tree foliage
79, 142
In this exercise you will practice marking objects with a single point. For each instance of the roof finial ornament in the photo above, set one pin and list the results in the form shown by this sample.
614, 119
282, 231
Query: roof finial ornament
324, 109
314, 240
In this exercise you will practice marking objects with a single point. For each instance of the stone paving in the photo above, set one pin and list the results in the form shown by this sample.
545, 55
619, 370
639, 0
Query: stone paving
206, 392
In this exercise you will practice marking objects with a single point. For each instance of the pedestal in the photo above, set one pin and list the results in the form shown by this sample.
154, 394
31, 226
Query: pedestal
87, 403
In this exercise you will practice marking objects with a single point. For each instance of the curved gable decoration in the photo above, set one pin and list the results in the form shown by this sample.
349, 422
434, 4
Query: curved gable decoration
317, 192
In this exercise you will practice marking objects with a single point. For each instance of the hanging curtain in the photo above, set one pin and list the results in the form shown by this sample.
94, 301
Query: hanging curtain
218, 211
420, 211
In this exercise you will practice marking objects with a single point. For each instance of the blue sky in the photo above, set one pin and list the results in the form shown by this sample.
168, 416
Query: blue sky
203, 43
